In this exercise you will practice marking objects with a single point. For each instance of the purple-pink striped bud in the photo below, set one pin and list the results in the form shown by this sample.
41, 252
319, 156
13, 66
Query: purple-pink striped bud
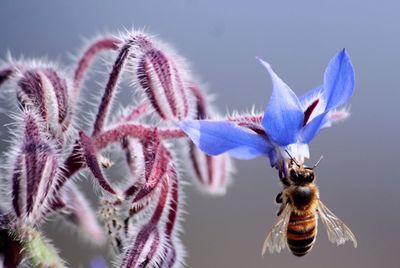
143, 226
34, 173
155, 69
147, 161
156, 162
158, 71
211, 173
43, 88
160, 77
135, 161
153, 241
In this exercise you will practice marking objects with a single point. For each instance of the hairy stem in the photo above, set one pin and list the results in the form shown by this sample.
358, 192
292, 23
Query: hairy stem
137, 112
135, 131
108, 43
37, 250
110, 88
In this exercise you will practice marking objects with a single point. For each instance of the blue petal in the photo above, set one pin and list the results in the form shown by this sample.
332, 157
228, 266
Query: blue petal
312, 128
273, 158
283, 117
338, 80
217, 137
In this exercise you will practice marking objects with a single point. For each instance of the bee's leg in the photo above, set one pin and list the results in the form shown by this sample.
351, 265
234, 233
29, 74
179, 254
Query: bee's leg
278, 198
283, 178
280, 210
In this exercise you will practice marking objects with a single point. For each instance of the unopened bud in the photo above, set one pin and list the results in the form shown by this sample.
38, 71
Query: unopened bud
46, 91
34, 174
212, 173
154, 240
161, 79
135, 161
156, 160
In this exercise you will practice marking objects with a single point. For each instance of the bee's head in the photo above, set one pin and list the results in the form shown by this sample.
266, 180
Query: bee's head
300, 174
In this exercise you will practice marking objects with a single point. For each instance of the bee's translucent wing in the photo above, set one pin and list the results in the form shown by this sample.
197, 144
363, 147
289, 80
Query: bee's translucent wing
338, 232
276, 238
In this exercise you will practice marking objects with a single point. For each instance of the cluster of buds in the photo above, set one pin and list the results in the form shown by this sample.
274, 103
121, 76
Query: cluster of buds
50, 148
34, 176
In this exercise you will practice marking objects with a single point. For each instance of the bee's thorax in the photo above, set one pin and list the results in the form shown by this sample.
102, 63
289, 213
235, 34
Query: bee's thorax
302, 197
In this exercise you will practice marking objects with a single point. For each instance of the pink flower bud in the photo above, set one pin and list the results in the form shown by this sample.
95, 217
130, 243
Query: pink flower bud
143, 226
60, 88
159, 76
156, 159
212, 173
154, 241
135, 161
44, 89
34, 173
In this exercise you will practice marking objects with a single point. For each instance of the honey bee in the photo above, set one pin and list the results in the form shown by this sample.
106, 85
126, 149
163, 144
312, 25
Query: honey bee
296, 226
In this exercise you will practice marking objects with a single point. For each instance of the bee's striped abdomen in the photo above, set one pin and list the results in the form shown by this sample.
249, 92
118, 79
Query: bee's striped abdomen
301, 233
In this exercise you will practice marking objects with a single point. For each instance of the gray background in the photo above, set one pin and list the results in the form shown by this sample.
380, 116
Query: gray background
359, 177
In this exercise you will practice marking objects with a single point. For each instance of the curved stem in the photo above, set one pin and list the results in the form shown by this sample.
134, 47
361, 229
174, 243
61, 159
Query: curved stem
76, 161
110, 87
135, 131
38, 250
72, 164
137, 112
107, 43
131, 257
89, 153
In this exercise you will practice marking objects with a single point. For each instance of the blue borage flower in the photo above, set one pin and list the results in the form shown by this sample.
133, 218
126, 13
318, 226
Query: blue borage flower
288, 124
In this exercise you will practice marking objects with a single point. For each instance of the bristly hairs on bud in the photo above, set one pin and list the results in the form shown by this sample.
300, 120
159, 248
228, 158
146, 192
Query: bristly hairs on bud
161, 74
211, 174
32, 198
157, 223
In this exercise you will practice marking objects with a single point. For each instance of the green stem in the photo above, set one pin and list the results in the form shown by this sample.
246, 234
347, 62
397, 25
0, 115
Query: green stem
37, 249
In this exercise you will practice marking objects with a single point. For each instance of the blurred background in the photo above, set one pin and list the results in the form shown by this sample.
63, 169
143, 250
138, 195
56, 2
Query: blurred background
358, 178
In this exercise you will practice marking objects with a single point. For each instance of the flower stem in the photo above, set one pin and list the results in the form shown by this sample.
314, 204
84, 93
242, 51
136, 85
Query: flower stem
110, 88
108, 43
134, 131
37, 249
137, 112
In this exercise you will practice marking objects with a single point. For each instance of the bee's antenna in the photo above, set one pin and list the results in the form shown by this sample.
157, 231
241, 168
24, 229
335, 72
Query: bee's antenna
291, 158
316, 164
